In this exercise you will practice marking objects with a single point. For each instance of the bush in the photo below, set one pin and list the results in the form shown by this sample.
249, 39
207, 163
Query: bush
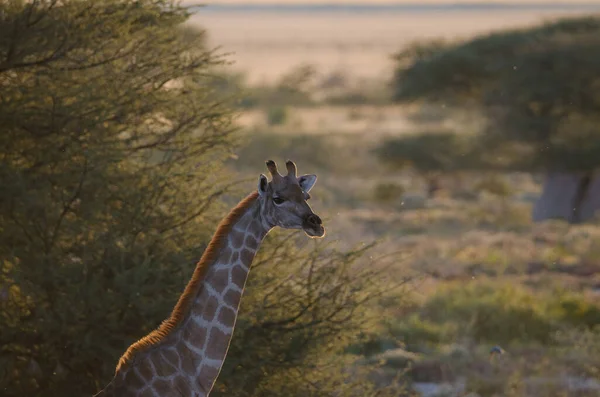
388, 192
370, 343
574, 310
277, 115
302, 310
419, 334
293, 89
580, 349
495, 185
430, 151
111, 148
496, 314
322, 152
541, 117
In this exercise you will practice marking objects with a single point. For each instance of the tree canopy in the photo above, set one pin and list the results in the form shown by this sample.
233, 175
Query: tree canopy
538, 87
430, 151
109, 146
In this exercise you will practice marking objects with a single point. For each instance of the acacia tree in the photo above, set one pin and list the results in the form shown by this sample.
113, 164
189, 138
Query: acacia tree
538, 87
109, 142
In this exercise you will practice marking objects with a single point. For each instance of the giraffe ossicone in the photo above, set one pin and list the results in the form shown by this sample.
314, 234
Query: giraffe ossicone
183, 356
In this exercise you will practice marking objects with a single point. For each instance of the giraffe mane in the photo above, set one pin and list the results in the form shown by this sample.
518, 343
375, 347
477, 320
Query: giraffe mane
193, 287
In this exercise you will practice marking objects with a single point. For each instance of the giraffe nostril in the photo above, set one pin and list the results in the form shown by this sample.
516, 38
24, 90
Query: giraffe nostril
314, 220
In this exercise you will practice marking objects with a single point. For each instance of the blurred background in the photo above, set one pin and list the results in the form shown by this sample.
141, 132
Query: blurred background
457, 149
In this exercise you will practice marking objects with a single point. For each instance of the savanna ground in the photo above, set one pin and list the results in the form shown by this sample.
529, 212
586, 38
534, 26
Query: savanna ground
482, 273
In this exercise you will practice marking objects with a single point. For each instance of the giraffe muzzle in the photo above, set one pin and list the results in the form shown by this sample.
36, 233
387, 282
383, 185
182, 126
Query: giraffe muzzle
313, 226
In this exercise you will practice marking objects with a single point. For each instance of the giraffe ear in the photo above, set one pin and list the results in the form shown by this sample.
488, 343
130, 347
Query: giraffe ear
307, 181
262, 185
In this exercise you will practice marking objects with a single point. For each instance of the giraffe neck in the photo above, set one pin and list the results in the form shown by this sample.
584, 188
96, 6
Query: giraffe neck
186, 353
207, 332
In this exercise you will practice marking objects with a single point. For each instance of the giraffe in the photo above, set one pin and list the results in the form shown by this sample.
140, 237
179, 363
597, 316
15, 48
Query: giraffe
184, 355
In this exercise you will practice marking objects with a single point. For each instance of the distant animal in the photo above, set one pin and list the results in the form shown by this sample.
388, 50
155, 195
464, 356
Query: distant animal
495, 351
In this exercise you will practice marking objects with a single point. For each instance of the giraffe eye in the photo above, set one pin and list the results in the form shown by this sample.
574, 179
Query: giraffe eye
278, 200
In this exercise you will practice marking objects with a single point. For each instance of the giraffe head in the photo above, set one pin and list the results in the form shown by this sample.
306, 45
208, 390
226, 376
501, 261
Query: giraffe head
283, 200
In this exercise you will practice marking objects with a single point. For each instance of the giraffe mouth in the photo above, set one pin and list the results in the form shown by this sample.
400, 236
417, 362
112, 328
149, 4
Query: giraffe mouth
314, 231
313, 226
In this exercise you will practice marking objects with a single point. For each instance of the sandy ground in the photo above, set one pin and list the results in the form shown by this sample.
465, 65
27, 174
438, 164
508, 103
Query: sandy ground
267, 45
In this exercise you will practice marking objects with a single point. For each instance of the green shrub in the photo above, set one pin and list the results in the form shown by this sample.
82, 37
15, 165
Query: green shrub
417, 333
580, 349
486, 312
294, 331
368, 344
575, 310
277, 115
396, 358
329, 153
388, 192
430, 151
495, 185
293, 89
540, 117
499, 314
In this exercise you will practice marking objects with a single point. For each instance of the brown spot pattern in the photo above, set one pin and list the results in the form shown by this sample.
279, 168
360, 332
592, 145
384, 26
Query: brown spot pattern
217, 344
225, 256
237, 239
162, 366
187, 362
232, 298
134, 380
188, 365
148, 392
180, 384
247, 257
227, 316
207, 377
171, 358
210, 308
256, 234
243, 223
162, 387
197, 335
219, 279
238, 276
251, 242
145, 371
